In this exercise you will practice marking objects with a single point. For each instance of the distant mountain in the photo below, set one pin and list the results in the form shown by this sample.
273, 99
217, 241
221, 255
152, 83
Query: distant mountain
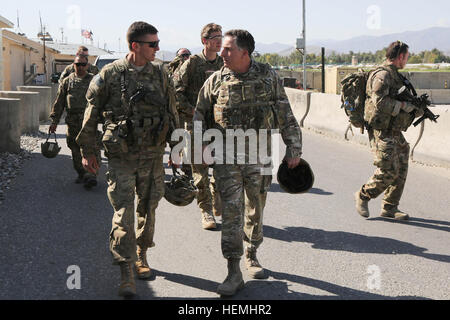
428, 39
263, 48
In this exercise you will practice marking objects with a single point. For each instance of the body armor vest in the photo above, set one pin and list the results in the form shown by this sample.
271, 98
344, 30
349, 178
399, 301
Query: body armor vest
136, 120
246, 104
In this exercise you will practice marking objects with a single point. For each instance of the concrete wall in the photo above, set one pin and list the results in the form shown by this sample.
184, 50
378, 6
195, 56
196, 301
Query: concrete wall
9, 128
325, 115
28, 109
45, 104
429, 80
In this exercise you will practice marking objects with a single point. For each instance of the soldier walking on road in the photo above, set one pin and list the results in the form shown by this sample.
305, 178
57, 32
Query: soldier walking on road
188, 81
71, 97
245, 95
133, 99
82, 51
387, 117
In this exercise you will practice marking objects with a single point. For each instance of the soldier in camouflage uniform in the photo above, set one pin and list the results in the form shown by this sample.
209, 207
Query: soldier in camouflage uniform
182, 55
387, 118
82, 51
71, 97
188, 81
132, 98
245, 95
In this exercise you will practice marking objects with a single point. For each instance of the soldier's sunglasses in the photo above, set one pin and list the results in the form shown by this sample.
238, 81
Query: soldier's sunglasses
151, 44
81, 64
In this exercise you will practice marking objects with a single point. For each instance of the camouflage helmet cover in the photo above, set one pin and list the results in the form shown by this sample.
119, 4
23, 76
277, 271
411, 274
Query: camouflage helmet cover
50, 149
180, 191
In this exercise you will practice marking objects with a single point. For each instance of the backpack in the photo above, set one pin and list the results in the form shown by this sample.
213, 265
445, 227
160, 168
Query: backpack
353, 97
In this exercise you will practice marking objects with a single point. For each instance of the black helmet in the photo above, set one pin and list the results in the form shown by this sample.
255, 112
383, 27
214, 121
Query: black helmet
50, 149
298, 180
180, 191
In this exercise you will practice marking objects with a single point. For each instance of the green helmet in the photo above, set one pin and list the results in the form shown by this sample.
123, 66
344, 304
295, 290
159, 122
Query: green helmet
298, 180
50, 149
180, 191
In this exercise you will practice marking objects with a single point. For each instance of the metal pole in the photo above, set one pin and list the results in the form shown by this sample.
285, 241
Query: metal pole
323, 70
305, 81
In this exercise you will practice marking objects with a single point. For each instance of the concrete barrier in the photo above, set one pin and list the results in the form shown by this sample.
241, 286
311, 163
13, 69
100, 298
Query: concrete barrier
45, 103
437, 96
28, 109
300, 101
326, 116
9, 125
434, 147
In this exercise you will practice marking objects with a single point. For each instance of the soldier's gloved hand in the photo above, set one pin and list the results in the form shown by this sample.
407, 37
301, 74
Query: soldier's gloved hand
91, 164
419, 113
408, 107
293, 162
52, 128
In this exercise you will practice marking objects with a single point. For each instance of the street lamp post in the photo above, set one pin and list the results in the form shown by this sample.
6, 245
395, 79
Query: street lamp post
305, 86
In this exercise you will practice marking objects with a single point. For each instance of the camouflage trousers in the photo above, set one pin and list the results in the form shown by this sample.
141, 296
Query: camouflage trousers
243, 190
208, 197
143, 179
391, 159
73, 129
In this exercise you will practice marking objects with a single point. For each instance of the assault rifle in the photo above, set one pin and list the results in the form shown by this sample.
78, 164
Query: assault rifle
422, 102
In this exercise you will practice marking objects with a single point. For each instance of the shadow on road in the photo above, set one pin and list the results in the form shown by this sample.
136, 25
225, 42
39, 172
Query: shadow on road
275, 188
280, 289
350, 242
422, 223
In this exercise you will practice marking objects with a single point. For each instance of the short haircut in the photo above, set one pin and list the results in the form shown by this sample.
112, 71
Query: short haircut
395, 49
81, 57
244, 39
138, 30
178, 51
209, 29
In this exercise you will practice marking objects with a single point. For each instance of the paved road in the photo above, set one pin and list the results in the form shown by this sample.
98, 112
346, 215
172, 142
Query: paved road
315, 247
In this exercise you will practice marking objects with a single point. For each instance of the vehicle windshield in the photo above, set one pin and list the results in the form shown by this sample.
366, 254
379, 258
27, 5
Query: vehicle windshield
103, 62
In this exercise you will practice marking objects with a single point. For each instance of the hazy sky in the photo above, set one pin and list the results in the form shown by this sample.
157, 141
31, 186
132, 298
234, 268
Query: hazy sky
180, 22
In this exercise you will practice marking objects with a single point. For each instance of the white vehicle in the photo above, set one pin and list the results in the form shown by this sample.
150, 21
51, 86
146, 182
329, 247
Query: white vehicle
103, 60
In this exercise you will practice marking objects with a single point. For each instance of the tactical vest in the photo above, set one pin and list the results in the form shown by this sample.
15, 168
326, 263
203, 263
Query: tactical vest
246, 104
76, 94
202, 71
379, 119
138, 126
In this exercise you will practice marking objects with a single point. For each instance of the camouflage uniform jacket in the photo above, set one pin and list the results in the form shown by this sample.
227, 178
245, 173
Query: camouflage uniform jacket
254, 100
382, 110
189, 79
132, 131
174, 65
71, 97
71, 69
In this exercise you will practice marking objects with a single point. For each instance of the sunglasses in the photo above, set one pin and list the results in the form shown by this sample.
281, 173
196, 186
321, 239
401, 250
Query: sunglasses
81, 64
214, 38
186, 55
151, 44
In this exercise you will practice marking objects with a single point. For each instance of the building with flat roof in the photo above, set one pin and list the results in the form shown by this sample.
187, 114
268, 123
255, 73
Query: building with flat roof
4, 23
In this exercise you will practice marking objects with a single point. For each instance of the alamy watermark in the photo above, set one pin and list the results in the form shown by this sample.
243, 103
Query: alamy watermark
231, 146
74, 280
374, 280
374, 17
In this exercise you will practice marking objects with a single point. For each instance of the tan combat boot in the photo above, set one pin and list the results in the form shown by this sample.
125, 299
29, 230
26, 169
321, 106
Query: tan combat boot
362, 206
255, 270
233, 281
142, 268
394, 213
208, 221
127, 285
